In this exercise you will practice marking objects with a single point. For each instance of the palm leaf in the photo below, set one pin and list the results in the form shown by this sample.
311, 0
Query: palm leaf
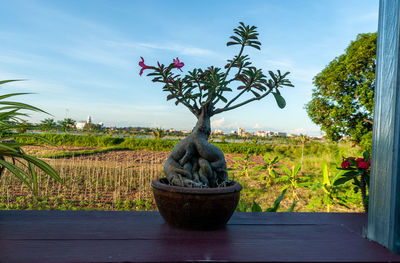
17, 172
10, 80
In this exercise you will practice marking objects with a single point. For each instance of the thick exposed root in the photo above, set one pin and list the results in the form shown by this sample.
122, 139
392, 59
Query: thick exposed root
196, 163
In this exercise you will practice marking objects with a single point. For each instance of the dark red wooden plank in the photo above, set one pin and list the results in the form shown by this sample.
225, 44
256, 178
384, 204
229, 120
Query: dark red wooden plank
244, 250
54, 236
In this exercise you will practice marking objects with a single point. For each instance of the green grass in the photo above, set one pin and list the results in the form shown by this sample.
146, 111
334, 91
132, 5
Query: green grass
281, 147
67, 154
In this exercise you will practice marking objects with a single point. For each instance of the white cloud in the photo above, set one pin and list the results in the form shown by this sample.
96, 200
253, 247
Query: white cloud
98, 55
280, 63
302, 130
218, 123
181, 49
257, 126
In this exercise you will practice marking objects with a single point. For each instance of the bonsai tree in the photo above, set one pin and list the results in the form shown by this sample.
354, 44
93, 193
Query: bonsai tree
194, 162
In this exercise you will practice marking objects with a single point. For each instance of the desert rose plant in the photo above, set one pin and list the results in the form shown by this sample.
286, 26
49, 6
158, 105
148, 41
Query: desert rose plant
194, 162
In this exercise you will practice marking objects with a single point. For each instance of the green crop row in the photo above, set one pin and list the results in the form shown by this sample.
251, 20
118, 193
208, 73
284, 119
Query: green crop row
58, 203
290, 148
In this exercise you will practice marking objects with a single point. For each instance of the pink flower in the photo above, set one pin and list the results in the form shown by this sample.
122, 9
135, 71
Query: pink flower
159, 66
345, 164
178, 64
144, 66
363, 165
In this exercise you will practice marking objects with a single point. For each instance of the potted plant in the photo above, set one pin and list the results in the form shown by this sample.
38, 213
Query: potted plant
197, 192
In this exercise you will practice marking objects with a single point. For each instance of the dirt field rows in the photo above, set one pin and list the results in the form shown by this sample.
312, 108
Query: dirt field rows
136, 156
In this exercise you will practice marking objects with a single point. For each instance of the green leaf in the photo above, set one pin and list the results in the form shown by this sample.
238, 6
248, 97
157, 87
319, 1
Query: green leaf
282, 179
279, 100
17, 172
255, 207
286, 170
230, 43
366, 156
241, 206
223, 99
325, 174
7, 148
342, 180
40, 164
277, 202
20, 105
34, 178
291, 208
296, 170
11, 80
13, 94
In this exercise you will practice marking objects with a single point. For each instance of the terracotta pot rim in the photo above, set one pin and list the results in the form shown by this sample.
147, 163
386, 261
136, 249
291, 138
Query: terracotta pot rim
160, 185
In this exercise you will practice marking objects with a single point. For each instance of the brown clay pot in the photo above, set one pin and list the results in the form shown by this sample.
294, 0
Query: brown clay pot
196, 208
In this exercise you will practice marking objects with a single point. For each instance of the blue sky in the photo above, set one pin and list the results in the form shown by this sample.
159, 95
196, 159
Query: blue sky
81, 58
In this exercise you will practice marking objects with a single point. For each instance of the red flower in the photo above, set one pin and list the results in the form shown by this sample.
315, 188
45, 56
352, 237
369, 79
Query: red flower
363, 165
360, 160
178, 64
141, 63
345, 164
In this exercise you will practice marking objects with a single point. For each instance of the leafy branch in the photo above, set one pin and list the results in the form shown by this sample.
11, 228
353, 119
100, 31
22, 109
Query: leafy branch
205, 88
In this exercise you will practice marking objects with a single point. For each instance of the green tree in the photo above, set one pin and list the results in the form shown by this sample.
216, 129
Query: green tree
48, 124
158, 133
66, 124
342, 102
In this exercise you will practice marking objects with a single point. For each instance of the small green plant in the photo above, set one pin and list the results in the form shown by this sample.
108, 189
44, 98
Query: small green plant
270, 165
331, 190
293, 180
255, 207
244, 163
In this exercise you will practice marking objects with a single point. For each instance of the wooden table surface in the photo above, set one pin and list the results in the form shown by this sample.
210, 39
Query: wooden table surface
97, 236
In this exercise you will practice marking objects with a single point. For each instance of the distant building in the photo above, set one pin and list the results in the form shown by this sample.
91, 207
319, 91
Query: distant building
280, 134
241, 132
217, 131
80, 125
261, 134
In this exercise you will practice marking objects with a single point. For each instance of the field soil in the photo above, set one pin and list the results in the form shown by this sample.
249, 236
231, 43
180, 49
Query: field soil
135, 156
120, 179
